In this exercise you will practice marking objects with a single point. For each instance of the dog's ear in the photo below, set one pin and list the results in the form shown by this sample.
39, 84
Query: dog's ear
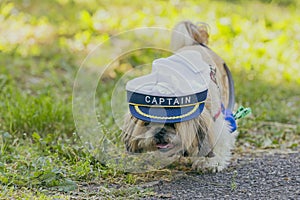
130, 144
125, 139
129, 126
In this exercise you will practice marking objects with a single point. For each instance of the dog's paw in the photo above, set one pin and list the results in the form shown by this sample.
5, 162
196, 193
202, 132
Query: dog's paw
206, 164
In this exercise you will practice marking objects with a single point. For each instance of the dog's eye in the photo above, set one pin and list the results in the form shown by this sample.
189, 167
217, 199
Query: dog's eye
146, 123
170, 125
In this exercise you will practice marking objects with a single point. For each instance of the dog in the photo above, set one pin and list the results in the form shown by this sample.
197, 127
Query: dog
184, 106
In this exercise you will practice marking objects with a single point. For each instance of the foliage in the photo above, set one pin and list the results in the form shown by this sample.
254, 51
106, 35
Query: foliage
42, 45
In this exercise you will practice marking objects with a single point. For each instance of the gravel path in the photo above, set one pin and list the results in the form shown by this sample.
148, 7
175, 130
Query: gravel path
266, 176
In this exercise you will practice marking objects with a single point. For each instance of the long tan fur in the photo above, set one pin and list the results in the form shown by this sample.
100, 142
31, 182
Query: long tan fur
205, 139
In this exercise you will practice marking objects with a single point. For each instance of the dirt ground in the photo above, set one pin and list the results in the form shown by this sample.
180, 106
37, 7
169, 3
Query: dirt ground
263, 175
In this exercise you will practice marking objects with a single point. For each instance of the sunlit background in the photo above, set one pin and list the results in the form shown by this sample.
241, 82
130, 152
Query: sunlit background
251, 35
43, 44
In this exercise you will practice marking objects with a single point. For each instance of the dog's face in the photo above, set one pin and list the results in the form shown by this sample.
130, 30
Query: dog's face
141, 136
160, 136
187, 138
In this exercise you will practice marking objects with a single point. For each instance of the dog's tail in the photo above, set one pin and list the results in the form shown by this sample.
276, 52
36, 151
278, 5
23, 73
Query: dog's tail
186, 33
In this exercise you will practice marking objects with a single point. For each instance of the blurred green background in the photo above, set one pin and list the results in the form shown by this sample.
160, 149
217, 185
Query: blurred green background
43, 43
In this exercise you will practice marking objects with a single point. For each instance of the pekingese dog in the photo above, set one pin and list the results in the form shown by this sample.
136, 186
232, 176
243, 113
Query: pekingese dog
184, 106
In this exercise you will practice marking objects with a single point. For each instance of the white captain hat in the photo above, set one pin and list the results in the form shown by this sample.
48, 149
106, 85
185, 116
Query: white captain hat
175, 90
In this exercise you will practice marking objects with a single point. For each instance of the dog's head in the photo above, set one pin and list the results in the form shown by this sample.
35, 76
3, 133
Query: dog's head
188, 138
171, 108
140, 136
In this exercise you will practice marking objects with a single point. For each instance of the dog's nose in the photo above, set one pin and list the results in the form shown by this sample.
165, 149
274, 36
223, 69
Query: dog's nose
160, 133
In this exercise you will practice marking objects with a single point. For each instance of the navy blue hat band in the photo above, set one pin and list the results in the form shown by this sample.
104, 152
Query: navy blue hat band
159, 101
166, 115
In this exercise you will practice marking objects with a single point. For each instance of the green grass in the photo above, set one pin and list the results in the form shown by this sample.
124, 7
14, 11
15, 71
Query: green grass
43, 44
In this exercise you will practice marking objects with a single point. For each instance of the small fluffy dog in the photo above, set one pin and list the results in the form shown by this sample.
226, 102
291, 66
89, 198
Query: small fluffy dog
205, 133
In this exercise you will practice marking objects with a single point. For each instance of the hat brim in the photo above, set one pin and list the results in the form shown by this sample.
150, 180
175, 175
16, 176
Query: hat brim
166, 114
